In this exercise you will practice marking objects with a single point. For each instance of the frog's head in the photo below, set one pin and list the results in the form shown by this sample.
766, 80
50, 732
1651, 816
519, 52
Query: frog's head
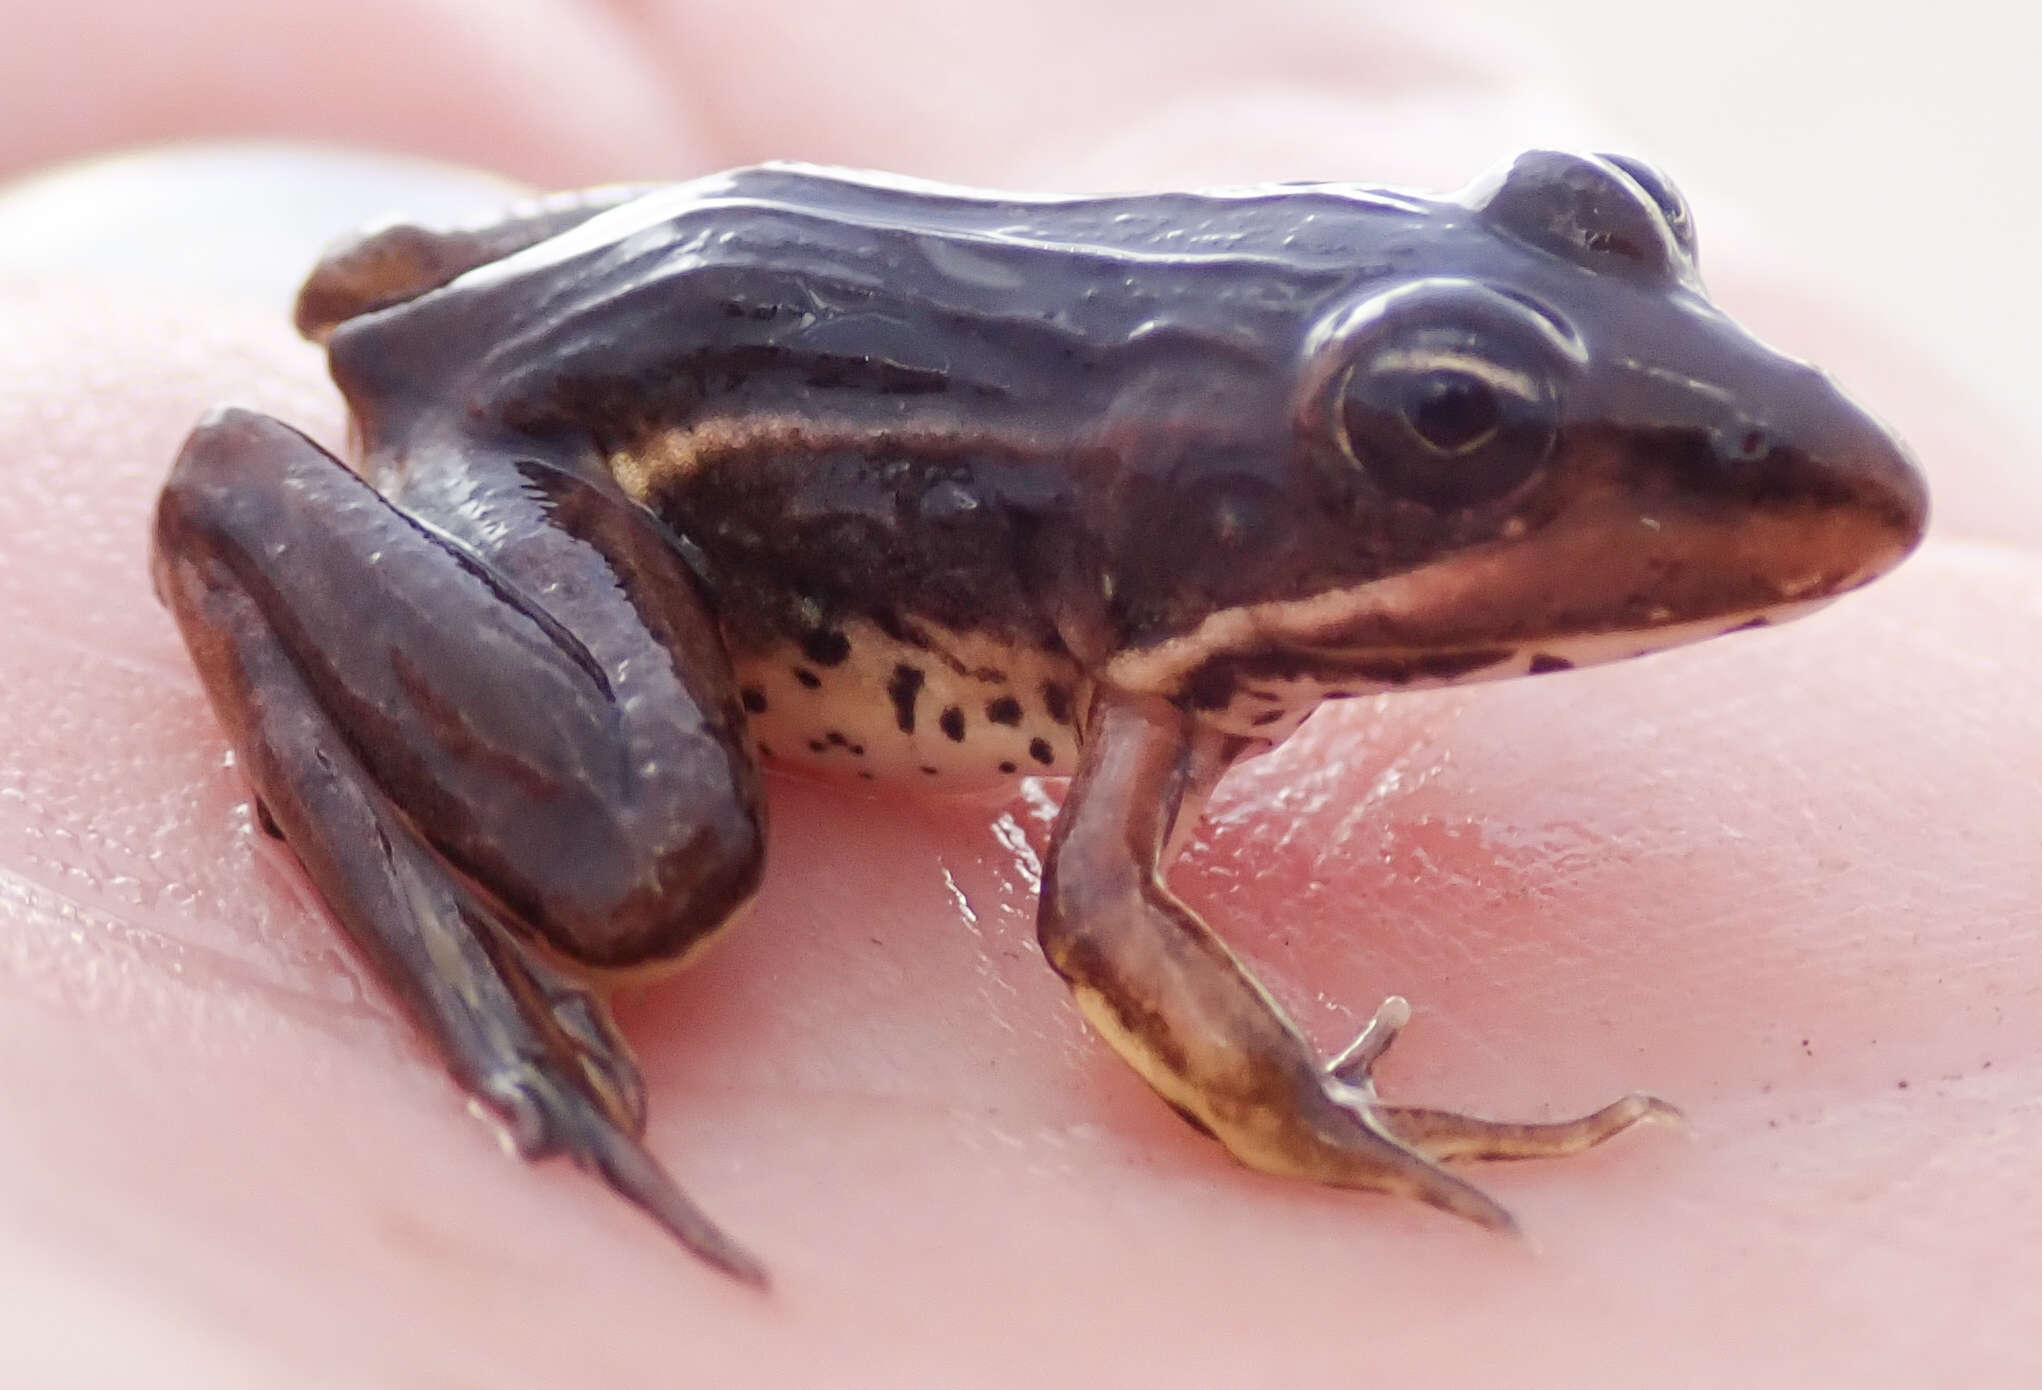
1540, 445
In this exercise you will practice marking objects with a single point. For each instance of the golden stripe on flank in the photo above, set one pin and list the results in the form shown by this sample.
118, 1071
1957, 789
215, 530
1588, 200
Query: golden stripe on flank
681, 451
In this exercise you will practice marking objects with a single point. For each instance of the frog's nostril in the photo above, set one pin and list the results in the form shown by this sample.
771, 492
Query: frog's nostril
1748, 444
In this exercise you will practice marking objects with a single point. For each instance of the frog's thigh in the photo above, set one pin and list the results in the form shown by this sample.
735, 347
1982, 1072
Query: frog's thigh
582, 757
400, 707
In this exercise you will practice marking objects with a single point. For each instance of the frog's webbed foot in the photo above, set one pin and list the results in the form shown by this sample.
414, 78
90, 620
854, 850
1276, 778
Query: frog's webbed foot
566, 1086
549, 1114
465, 775
603, 1059
1177, 1005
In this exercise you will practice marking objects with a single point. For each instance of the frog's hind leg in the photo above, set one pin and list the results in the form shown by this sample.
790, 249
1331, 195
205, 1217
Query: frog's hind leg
466, 774
1180, 1008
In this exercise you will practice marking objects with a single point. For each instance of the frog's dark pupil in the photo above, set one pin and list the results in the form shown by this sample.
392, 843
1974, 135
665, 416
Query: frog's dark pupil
1451, 411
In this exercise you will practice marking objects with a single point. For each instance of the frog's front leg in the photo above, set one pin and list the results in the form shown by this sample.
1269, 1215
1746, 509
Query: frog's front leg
487, 756
1181, 1009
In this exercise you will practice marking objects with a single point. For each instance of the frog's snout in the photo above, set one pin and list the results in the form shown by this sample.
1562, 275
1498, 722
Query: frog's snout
1767, 466
1820, 452
1891, 486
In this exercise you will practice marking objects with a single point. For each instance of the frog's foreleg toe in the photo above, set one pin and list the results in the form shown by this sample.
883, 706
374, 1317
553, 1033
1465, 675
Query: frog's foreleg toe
1446, 1136
1449, 1137
1356, 1065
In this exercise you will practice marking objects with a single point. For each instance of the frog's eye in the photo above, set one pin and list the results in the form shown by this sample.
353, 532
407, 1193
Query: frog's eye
1443, 391
1442, 421
1450, 411
1660, 190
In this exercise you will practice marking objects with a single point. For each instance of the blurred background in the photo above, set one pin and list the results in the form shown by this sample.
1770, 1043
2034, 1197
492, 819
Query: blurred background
1883, 154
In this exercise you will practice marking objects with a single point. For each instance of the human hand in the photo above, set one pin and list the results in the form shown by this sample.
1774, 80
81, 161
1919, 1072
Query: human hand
1785, 880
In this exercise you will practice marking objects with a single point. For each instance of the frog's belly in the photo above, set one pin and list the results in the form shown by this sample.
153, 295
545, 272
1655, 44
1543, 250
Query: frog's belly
961, 709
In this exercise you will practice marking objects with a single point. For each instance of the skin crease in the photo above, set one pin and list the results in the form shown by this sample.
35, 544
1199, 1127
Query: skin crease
1790, 881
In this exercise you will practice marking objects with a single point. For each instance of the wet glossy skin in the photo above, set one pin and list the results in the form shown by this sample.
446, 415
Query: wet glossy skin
912, 484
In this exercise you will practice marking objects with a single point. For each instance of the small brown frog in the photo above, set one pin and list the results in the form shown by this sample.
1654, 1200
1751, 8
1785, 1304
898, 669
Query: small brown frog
929, 486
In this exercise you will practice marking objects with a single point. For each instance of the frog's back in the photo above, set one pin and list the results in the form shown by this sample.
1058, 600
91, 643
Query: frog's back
789, 289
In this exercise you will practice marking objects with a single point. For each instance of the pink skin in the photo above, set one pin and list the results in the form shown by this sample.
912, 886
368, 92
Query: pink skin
1792, 881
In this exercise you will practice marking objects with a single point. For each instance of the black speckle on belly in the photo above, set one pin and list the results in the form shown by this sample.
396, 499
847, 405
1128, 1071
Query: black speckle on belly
1542, 663
836, 737
827, 647
816, 745
952, 724
1211, 686
754, 699
904, 689
808, 677
1056, 698
1005, 710
1040, 750
889, 622
1009, 768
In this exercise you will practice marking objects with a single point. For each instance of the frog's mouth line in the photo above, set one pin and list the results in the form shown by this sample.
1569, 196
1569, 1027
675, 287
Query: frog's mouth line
1563, 652
1606, 582
1265, 695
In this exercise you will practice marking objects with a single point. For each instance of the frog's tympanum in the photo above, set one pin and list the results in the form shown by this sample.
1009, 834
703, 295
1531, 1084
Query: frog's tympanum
927, 486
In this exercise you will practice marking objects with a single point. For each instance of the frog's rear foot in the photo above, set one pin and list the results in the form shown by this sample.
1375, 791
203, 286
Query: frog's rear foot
1442, 1135
608, 1072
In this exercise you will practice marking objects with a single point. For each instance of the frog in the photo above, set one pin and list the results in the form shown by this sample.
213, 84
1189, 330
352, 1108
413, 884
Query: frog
652, 487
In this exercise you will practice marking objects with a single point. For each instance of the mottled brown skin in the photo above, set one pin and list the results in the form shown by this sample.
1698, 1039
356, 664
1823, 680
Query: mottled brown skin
934, 485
